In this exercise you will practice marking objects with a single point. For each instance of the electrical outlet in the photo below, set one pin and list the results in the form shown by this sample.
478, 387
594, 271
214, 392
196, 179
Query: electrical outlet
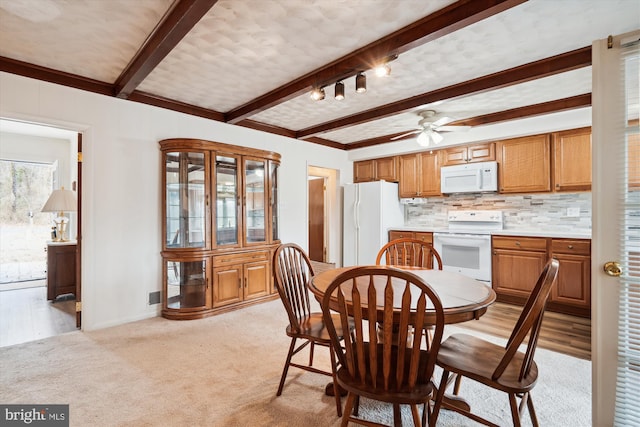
573, 212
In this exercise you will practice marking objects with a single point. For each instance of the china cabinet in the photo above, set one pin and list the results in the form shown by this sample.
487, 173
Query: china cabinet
220, 227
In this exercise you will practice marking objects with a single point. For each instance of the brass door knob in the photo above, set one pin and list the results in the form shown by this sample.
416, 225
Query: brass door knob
612, 268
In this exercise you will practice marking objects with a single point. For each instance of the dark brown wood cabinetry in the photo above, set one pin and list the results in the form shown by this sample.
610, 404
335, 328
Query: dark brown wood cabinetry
61, 269
220, 228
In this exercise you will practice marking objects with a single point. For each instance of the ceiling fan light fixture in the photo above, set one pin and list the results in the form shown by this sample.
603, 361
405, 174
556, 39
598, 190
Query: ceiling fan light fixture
361, 83
423, 139
339, 91
317, 94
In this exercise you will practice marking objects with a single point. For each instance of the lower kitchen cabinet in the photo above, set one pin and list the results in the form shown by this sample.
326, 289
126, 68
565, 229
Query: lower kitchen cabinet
424, 236
518, 261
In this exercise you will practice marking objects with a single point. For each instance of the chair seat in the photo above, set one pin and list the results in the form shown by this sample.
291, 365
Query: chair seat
313, 327
405, 395
477, 359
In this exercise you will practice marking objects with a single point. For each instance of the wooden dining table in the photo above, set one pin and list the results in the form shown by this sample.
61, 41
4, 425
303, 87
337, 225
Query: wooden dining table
463, 299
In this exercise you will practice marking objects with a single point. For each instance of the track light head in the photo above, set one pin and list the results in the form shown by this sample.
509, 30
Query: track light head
339, 91
317, 94
361, 83
383, 70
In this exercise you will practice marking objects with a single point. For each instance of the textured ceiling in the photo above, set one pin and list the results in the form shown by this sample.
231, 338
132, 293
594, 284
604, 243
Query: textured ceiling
238, 51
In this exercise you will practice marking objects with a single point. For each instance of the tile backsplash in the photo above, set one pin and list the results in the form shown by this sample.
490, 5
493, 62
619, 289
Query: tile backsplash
549, 211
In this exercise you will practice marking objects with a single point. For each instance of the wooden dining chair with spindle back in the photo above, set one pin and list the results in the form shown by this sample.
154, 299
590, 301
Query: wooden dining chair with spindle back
502, 368
409, 252
391, 367
292, 272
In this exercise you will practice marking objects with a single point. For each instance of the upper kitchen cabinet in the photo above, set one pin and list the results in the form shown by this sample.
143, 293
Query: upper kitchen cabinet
468, 154
572, 160
420, 174
220, 208
385, 168
524, 164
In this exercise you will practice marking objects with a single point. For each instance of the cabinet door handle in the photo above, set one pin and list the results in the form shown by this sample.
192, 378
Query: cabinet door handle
517, 243
239, 283
570, 246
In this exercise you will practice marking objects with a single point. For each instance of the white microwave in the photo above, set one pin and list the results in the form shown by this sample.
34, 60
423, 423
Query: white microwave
469, 178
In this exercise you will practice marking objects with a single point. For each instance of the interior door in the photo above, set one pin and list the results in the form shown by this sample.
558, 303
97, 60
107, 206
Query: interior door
616, 225
316, 219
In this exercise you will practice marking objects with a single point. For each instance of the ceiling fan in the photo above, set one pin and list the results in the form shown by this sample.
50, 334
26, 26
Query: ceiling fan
429, 128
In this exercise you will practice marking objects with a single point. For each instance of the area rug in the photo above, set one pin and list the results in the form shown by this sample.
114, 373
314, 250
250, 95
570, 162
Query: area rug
224, 371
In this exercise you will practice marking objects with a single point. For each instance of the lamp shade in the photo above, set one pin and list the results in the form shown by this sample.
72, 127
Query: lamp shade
61, 201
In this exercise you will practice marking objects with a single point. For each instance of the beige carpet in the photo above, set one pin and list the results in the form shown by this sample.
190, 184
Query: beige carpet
224, 371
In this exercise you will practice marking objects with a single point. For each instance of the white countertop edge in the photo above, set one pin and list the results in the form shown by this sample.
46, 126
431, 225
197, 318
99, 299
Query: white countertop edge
509, 232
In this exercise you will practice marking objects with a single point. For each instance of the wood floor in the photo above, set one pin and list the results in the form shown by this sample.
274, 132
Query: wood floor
26, 315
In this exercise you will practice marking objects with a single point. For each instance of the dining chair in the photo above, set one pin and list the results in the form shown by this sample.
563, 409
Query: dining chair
502, 368
392, 367
292, 272
409, 252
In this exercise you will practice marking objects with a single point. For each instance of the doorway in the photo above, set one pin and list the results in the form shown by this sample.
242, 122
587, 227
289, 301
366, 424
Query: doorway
324, 215
317, 215
34, 160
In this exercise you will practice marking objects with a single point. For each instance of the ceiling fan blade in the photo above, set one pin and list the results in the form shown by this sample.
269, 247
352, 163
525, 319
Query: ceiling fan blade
435, 137
452, 128
442, 121
406, 134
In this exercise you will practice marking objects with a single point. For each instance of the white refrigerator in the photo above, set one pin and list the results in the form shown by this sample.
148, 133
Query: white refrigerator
370, 209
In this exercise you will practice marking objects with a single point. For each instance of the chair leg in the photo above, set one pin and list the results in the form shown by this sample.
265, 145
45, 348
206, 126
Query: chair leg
515, 412
439, 397
347, 409
356, 407
416, 415
532, 411
286, 366
311, 350
456, 385
336, 391
397, 416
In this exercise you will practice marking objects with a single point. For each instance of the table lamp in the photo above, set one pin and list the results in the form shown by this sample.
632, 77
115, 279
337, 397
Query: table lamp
60, 201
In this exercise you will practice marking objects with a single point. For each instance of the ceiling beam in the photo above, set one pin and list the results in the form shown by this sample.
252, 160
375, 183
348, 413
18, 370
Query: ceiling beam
573, 102
175, 25
50, 75
534, 70
436, 25
170, 104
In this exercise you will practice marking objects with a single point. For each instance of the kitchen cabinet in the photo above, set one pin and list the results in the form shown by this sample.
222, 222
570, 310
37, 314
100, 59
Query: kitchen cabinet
524, 164
420, 174
61, 269
468, 154
572, 292
420, 235
220, 226
385, 168
572, 160
516, 264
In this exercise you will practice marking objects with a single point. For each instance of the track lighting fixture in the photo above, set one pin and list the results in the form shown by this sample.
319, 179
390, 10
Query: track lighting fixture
383, 70
361, 83
339, 91
317, 94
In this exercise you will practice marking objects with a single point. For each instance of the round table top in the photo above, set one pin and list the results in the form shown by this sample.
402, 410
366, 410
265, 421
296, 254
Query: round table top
462, 297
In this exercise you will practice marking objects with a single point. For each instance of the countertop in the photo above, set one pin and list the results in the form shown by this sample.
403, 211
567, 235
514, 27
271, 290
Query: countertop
560, 234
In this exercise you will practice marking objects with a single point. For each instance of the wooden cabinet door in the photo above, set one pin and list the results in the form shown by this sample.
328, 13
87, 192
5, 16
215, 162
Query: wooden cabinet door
429, 174
469, 154
572, 160
525, 164
387, 169
574, 281
256, 279
227, 287
515, 273
364, 171
454, 156
409, 175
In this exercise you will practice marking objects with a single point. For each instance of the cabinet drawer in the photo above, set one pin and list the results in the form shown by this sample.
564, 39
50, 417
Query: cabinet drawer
569, 246
229, 259
424, 236
396, 234
520, 243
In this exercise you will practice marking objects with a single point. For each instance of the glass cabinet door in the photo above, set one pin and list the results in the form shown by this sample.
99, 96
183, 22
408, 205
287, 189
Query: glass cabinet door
185, 200
255, 196
227, 206
186, 284
273, 202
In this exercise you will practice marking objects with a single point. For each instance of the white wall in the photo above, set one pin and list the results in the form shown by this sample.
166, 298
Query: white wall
121, 260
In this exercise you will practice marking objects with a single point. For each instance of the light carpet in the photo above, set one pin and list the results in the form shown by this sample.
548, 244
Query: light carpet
224, 371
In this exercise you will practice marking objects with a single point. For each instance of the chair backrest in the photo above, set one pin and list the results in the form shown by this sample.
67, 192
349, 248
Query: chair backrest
409, 252
529, 322
402, 304
292, 272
